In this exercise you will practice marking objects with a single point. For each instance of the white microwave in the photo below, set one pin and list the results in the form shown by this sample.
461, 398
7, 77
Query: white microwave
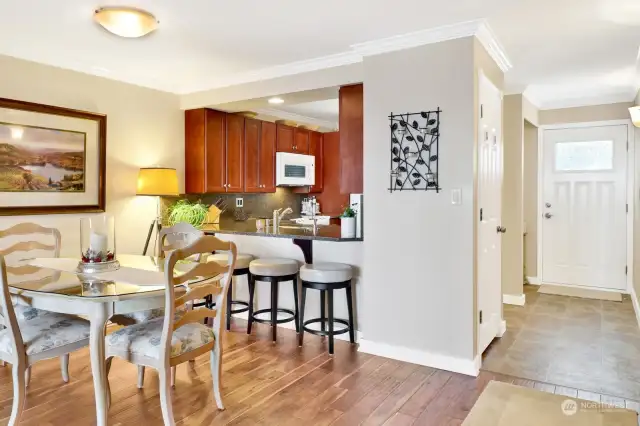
295, 169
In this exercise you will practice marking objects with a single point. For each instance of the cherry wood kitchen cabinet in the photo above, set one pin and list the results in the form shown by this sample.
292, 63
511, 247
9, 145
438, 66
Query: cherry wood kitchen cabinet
268, 138
252, 133
316, 149
285, 138
331, 199
214, 151
301, 141
260, 156
205, 151
351, 139
235, 153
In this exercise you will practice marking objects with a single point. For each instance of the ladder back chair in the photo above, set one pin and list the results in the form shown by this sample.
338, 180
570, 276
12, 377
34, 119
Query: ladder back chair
33, 335
178, 236
10, 253
184, 337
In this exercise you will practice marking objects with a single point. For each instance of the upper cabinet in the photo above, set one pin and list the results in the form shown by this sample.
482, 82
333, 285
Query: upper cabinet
260, 156
301, 141
316, 148
285, 138
214, 151
235, 153
293, 139
351, 139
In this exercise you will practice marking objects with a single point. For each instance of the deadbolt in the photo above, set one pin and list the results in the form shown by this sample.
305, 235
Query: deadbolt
548, 205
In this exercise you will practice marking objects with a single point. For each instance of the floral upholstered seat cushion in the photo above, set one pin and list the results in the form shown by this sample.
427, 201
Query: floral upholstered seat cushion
43, 330
144, 339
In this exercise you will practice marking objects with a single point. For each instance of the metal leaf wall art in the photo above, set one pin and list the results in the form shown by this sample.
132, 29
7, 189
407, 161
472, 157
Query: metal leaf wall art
415, 151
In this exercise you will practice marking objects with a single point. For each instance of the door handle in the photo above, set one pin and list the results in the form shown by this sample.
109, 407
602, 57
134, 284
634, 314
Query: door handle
501, 229
548, 215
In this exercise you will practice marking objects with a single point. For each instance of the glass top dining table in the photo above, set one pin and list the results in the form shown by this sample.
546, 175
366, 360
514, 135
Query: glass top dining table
25, 277
58, 289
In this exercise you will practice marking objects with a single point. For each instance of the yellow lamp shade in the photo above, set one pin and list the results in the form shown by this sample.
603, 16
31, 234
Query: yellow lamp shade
635, 115
158, 181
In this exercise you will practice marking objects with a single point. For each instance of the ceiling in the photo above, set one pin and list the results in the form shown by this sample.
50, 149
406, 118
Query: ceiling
563, 51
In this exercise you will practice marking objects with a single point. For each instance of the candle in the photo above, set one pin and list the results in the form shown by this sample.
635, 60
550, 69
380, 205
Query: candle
98, 242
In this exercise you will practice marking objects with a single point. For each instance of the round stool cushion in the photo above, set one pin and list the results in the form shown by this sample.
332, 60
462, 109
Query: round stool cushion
242, 259
273, 267
326, 273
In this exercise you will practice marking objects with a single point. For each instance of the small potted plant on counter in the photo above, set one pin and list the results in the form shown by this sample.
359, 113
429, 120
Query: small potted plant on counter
194, 214
348, 223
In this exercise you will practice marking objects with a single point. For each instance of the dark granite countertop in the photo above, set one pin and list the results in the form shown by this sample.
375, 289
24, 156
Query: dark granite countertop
287, 230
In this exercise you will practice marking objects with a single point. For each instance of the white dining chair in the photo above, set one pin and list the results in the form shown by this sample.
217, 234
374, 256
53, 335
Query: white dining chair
163, 343
33, 335
18, 250
170, 238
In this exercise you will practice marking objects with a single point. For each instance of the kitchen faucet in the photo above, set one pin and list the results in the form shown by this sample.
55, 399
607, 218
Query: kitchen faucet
277, 217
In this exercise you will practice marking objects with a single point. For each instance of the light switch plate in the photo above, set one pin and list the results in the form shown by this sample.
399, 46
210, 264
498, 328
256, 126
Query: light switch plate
239, 202
456, 196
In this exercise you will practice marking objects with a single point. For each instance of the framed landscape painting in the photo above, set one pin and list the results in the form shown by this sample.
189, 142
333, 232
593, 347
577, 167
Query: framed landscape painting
52, 159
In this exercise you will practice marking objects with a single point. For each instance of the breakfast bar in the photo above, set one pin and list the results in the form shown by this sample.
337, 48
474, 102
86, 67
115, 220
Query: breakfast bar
302, 236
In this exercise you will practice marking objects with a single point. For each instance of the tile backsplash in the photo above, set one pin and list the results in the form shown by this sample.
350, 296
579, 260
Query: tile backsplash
255, 205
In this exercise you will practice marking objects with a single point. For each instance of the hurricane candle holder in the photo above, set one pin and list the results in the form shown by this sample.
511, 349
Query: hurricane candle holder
98, 245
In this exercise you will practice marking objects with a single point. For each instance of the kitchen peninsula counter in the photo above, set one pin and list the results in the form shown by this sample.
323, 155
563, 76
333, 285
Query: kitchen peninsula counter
286, 230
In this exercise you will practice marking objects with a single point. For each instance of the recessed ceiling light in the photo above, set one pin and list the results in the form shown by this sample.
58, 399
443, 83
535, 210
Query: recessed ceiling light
126, 21
276, 101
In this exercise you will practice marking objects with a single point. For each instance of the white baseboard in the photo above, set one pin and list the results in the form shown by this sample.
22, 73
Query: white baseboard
636, 305
503, 328
533, 280
514, 299
291, 326
470, 367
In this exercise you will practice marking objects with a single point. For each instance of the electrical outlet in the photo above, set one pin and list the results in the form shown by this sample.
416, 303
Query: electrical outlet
239, 202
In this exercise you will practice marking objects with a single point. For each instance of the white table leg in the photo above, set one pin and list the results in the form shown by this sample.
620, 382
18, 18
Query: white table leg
98, 318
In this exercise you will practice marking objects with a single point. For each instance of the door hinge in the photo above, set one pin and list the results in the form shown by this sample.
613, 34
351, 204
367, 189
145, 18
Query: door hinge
480, 314
627, 145
480, 215
627, 207
626, 270
481, 111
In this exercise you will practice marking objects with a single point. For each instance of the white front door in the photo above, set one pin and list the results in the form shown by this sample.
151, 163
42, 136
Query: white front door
489, 291
584, 206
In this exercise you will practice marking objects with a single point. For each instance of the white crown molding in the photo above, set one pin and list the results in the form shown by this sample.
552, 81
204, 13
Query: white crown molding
582, 101
478, 28
417, 38
487, 38
285, 115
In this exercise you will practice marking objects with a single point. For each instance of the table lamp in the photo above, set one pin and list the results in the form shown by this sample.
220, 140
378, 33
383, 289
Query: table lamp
157, 182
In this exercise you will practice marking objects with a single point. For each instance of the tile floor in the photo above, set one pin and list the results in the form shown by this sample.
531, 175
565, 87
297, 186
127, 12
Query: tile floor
581, 343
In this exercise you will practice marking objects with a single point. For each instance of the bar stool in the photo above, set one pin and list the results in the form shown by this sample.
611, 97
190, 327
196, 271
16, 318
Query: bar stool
274, 271
242, 268
326, 277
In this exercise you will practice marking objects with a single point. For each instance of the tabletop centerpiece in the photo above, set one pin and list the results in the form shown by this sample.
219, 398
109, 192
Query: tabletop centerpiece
98, 245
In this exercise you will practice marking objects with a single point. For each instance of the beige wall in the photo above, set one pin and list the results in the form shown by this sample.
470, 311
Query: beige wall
144, 127
434, 287
512, 216
530, 198
618, 111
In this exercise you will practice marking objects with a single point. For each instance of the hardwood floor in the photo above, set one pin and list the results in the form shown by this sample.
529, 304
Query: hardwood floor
267, 384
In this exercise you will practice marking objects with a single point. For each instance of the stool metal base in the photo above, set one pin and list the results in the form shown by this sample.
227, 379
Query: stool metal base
273, 309
322, 331
292, 316
326, 321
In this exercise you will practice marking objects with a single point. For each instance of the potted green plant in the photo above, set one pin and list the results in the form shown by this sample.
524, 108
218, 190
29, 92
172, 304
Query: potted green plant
348, 223
193, 213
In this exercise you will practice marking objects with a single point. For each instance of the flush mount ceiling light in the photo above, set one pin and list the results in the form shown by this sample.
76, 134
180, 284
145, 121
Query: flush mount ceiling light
276, 101
126, 21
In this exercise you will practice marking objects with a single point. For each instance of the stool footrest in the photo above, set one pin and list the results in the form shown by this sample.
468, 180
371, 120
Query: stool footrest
245, 307
323, 321
268, 320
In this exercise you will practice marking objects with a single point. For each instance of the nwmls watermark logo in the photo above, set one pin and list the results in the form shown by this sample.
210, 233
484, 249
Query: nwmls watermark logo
571, 407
